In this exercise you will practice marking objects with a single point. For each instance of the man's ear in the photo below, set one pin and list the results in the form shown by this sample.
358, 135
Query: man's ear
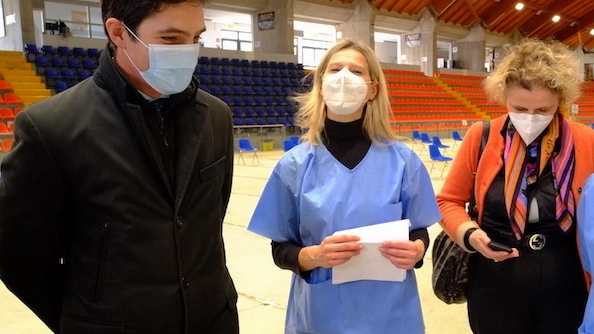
116, 31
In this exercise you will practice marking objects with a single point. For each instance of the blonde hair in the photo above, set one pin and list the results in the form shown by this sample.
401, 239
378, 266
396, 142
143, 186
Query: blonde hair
533, 63
312, 109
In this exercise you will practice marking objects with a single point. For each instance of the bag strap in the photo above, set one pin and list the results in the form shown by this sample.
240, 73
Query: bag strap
472, 202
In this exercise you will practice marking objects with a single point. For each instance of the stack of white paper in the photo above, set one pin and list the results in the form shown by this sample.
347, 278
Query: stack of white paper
370, 264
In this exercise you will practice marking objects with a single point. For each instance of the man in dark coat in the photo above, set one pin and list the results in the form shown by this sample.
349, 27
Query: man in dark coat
113, 197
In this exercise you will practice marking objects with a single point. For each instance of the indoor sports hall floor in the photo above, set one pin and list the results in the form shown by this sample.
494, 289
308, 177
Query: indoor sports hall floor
262, 287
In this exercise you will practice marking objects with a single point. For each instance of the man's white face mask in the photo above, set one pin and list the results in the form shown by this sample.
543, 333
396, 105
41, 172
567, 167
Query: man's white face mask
171, 67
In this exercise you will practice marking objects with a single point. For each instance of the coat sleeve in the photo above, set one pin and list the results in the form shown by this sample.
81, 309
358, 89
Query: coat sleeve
585, 230
32, 199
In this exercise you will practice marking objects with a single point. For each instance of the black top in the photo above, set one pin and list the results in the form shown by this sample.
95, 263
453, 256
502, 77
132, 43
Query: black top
349, 144
496, 221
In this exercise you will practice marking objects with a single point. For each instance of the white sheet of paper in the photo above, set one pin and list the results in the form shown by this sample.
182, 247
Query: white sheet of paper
370, 264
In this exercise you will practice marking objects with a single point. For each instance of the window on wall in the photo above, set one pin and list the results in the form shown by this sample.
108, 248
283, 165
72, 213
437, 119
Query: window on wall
236, 40
82, 21
312, 52
2, 31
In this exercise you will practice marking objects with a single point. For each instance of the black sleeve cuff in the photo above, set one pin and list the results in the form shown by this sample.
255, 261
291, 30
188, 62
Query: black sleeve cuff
423, 235
286, 256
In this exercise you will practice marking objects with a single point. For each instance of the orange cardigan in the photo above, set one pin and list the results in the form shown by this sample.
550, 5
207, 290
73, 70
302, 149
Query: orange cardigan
455, 192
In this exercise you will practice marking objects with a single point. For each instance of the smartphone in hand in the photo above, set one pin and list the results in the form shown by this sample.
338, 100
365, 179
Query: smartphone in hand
499, 247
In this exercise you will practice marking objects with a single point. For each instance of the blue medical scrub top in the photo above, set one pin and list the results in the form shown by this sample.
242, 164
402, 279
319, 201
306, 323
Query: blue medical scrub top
585, 218
309, 196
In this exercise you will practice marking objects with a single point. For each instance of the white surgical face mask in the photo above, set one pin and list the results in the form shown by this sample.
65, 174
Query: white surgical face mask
344, 92
530, 126
171, 67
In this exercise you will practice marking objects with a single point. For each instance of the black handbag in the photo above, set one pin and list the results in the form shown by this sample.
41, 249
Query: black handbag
450, 261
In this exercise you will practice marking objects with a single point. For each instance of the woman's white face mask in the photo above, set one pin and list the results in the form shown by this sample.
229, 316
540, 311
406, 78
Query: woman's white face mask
344, 92
530, 126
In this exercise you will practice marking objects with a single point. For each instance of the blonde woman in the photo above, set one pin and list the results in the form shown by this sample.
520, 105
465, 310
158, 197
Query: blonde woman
527, 186
348, 172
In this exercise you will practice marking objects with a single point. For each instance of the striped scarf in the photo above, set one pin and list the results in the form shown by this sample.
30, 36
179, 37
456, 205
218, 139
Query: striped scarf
519, 174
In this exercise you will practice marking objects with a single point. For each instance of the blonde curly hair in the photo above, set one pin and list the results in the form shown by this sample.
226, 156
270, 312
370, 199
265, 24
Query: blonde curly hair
312, 108
531, 63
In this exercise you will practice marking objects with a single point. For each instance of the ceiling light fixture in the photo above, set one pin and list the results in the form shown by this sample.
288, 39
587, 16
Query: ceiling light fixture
592, 32
556, 18
519, 6
538, 12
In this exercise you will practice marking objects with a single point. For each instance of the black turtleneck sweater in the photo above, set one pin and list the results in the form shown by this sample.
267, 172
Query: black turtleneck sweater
349, 144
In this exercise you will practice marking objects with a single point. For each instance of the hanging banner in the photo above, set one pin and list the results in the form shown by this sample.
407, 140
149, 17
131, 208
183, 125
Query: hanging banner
266, 21
413, 40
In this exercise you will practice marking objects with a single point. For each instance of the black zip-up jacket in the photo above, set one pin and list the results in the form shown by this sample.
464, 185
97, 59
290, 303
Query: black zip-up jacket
94, 237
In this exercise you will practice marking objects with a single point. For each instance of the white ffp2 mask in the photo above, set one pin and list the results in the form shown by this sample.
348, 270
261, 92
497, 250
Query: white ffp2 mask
530, 126
344, 92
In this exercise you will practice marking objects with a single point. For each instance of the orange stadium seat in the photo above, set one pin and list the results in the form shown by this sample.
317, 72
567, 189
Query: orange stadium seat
6, 113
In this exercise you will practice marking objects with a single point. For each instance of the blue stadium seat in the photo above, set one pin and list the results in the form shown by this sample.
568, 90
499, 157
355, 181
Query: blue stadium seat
58, 63
89, 64
93, 53
82, 74
271, 111
31, 52
73, 63
41, 63
260, 111
79, 52
51, 76
64, 51
60, 86
48, 50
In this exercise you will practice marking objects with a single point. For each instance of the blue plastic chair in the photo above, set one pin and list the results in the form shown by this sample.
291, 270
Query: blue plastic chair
437, 142
457, 138
288, 144
436, 156
295, 139
416, 137
424, 140
246, 146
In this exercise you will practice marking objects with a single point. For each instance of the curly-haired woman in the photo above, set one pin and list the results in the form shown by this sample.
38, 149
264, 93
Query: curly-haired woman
527, 185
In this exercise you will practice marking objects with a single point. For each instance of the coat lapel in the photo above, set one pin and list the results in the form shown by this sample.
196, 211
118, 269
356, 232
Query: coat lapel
189, 131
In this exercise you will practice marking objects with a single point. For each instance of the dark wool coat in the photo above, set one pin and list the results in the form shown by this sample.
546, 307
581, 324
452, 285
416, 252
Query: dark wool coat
94, 237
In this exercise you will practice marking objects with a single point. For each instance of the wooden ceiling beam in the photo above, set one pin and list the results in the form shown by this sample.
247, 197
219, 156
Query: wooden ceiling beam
532, 26
586, 22
440, 6
477, 19
498, 11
